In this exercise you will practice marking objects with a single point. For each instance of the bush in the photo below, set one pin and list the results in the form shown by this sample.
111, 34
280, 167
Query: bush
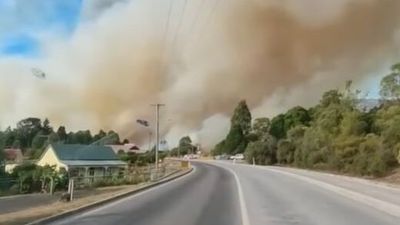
285, 152
263, 151
373, 158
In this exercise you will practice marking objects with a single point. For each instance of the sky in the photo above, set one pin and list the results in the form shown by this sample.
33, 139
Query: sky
23, 22
106, 61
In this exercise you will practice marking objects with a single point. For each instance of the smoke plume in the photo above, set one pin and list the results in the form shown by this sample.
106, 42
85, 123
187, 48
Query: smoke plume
201, 62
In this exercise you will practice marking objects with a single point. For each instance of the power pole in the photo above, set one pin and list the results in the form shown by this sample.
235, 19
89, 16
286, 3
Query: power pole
157, 130
150, 141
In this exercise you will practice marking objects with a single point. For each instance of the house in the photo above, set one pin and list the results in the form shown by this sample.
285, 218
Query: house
83, 160
13, 157
127, 148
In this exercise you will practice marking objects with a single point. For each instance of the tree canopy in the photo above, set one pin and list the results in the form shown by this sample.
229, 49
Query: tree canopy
334, 134
32, 136
238, 135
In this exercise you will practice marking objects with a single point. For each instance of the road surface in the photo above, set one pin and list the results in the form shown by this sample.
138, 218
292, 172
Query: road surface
206, 196
233, 194
281, 196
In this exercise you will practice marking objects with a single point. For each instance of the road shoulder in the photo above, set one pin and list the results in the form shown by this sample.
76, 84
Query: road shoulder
52, 212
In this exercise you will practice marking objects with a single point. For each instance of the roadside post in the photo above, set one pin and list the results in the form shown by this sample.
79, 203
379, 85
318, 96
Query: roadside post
51, 185
71, 189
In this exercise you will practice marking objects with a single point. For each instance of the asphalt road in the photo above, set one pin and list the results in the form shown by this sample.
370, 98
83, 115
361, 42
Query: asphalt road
226, 194
207, 196
281, 196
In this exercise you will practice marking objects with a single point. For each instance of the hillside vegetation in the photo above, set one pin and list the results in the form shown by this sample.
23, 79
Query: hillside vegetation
336, 134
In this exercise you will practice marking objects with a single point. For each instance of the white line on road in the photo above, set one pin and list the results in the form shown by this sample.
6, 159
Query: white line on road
383, 206
243, 207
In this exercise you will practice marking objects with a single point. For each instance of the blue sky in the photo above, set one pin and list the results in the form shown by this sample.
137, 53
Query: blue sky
23, 21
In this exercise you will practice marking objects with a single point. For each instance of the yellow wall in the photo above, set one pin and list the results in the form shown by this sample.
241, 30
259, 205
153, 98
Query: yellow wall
50, 158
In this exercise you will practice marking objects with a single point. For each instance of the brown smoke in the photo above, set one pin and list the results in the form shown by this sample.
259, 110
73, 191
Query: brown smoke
247, 49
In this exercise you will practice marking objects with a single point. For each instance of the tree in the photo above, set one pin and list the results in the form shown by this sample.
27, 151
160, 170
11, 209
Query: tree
277, 128
330, 97
53, 138
296, 116
27, 129
46, 128
242, 117
9, 137
38, 141
390, 84
262, 151
237, 138
285, 151
83, 137
99, 136
62, 134
235, 141
288, 148
185, 146
261, 126
113, 138
219, 148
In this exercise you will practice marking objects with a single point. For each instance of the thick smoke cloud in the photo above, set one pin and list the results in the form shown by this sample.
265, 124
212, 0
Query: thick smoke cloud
274, 54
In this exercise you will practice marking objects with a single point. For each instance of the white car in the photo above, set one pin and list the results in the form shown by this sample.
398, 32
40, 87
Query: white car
238, 157
191, 156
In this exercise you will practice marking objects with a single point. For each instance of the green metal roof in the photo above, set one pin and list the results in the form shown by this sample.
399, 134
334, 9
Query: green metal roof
84, 152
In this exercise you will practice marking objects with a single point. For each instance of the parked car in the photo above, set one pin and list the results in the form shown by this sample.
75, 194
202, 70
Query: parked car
222, 157
191, 156
237, 157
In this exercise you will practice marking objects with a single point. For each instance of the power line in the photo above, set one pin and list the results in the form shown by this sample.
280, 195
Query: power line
209, 16
164, 42
196, 18
180, 21
166, 28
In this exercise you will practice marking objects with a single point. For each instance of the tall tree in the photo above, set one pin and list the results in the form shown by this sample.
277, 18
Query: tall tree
390, 84
242, 117
261, 126
9, 137
296, 116
277, 128
113, 138
46, 128
99, 136
237, 138
62, 134
235, 141
27, 129
185, 145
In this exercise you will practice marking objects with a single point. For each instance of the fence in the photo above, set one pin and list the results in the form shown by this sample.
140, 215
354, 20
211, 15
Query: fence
133, 175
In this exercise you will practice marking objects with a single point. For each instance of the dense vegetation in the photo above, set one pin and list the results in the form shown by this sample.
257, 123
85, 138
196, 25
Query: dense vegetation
336, 134
184, 147
32, 135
